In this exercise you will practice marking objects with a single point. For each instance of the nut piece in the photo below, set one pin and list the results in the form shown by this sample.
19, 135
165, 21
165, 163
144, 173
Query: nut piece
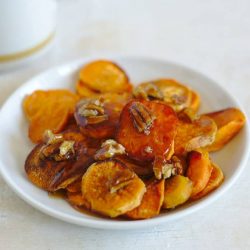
56, 147
142, 118
165, 169
109, 148
148, 91
67, 148
92, 110
50, 138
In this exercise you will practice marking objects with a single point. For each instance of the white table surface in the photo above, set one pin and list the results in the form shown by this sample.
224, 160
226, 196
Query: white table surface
210, 36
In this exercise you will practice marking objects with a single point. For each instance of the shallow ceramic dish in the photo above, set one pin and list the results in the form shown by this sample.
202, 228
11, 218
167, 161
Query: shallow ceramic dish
15, 144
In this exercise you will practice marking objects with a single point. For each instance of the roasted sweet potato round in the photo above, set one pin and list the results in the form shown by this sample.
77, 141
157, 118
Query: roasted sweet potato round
49, 167
194, 134
49, 109
98, 117
146, 129
229, 122
105, 76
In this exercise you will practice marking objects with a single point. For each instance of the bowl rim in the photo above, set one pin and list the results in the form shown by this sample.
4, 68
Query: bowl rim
138, 224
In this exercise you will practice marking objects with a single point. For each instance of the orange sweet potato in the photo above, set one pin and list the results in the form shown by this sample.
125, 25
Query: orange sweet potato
84, 91
177, 191
109, 108
49, 109
105, 76
151, 202
50, 173
229, 122
146, 129
175, 94
195, 134
215, 181
199, 170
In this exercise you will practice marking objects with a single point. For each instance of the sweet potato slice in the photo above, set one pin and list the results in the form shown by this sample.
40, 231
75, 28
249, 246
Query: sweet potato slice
47, 170
111, 188
151, 202
178, 190
48, 110
215, 181
195, 134
146, 129
199, 170
98, 117
195, 101
84, 91
105, 76
229, 122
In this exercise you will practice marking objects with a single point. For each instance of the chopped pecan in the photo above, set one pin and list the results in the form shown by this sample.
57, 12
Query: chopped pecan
148, 91
142, 117
50, 138
165, 169
56, 147
109, 148
92, 110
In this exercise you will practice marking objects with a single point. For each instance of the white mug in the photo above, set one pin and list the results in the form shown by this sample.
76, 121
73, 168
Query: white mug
26, 26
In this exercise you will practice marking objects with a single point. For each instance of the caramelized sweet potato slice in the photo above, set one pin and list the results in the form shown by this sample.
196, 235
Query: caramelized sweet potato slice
111, 188
175, 94
199, 170
195, 134
105, 76
178, 190
146, 129
47, 167
215, 181
98, 117
151, 202
229, 122
48, 110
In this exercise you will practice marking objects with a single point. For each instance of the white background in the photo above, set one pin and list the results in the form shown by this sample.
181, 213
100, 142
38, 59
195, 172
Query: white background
210, 36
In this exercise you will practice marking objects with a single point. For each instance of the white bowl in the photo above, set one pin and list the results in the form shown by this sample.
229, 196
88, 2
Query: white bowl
15, 144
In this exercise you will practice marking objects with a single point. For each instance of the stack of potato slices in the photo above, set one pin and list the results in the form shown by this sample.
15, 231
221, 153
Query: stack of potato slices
120, 150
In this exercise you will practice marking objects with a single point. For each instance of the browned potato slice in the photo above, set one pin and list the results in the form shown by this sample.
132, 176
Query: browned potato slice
199, 170
169, 91
177, 191
151, 201
177, 95
98, 117
229, 122
105, 76
194, 134
111, 188
215, 181
49, 168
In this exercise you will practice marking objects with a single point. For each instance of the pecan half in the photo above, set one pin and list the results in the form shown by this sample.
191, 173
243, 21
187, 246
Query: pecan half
92, 110
109, 148
148, 91
142, 117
